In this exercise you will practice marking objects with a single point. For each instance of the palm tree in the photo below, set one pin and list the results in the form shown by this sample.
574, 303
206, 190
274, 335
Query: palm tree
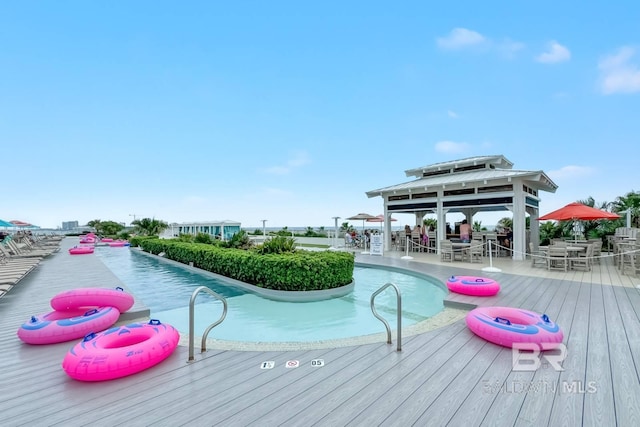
505, 222
630, 202
595, 228
149, 227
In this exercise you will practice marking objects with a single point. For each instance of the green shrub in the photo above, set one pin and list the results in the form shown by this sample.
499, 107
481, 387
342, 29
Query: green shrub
277, 245
203, 238
288, 271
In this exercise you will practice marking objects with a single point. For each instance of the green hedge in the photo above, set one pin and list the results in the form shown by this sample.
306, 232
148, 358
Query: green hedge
297, 271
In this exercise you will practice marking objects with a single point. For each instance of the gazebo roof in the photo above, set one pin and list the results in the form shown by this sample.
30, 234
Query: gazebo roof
471, 171
496, 161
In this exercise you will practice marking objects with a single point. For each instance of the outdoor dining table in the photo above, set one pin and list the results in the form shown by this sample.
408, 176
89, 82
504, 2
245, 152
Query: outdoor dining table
575, 249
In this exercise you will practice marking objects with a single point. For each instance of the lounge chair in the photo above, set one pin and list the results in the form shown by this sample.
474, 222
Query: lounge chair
13, 247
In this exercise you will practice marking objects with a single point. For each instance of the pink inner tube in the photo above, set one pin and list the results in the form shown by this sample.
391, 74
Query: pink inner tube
506, 326
121, 351
61, 326
92, 297
80, 250
472, 285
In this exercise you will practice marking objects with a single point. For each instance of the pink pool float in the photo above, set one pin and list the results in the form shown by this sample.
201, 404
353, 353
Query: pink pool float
507, 326
82, 298
61, 326
472, 285
118, 243
121, 351
81, 250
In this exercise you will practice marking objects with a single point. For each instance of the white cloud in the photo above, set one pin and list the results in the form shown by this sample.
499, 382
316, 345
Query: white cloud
555, 53
617, 75
451, 147
298, 159
452, 114
570, 172
509, 48
460, 38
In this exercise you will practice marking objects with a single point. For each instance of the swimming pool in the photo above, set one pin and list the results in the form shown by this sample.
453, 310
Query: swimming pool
166, 289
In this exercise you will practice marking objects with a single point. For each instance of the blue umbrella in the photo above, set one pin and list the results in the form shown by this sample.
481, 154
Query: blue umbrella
5, 224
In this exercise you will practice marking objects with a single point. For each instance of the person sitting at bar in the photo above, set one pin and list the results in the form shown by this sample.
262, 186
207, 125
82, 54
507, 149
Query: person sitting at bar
465, 232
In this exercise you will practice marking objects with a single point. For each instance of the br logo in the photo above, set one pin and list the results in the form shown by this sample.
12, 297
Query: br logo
528, 357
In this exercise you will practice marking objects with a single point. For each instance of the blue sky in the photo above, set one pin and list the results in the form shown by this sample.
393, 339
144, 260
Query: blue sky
291, 111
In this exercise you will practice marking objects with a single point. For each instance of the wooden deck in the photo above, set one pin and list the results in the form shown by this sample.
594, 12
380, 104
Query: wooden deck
447, 376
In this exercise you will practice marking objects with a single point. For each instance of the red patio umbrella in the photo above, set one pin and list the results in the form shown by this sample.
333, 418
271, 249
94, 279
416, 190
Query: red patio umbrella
578, 211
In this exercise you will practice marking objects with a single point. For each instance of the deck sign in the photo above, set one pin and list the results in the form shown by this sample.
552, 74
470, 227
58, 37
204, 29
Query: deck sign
317, 363
269, 364
292, 364
376, 244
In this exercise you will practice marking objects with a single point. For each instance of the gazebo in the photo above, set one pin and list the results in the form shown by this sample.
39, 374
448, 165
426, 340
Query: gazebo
469, 186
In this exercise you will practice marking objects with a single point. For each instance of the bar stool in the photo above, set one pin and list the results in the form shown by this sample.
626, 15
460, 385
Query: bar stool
493, 238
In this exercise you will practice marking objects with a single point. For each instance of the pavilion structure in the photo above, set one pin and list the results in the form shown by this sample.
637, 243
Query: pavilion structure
469, 186
218, 229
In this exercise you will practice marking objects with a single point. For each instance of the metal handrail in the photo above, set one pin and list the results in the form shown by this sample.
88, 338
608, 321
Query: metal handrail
191, 319
382, 319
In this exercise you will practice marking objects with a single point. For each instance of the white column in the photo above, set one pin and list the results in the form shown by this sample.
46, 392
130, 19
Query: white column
518, 243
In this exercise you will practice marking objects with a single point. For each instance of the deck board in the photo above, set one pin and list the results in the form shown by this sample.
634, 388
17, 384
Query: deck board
447, 376
567, 408
599, 408
627, 404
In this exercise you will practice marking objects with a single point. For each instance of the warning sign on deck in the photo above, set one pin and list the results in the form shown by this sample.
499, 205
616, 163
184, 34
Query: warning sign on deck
269, 364
292, 364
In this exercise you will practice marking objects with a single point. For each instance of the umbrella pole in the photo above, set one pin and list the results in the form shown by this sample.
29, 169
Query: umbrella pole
364, 238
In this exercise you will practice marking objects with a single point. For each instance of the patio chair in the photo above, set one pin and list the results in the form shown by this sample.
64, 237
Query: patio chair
583, 260
415, 241
446, 251
432, 241
629, 258
476, 251
538, 257
597, 249
557, 258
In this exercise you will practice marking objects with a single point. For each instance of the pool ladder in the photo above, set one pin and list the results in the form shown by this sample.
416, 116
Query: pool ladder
213, 325
382, 319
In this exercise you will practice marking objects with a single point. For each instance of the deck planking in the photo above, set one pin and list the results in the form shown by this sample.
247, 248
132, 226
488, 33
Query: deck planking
447, 376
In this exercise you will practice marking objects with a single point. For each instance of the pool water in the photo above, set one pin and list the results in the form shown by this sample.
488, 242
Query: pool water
166, 289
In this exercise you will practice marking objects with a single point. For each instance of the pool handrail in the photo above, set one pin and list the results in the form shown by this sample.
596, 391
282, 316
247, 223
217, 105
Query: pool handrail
192, 315
382, 319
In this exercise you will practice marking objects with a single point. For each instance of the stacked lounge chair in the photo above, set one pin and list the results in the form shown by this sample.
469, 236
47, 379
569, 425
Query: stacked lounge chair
19, 259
